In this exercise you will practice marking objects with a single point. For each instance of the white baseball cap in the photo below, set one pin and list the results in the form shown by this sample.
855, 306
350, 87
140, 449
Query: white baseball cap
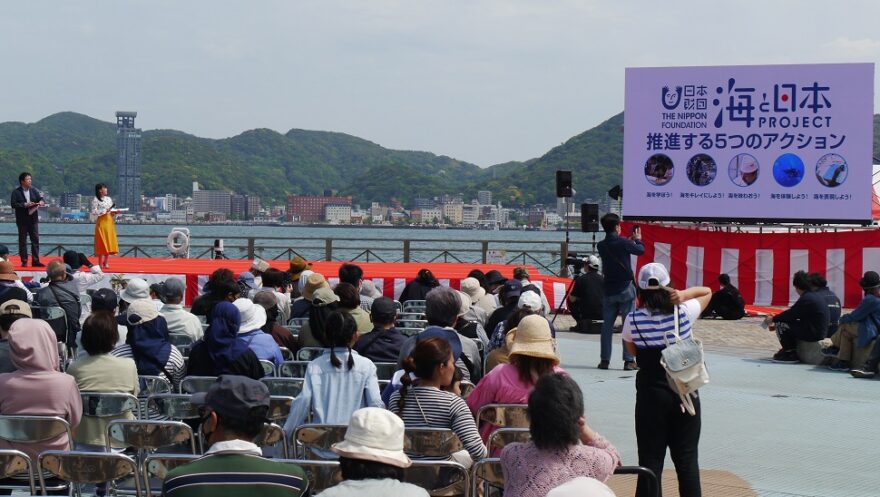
531, 300
653, 276
593, 262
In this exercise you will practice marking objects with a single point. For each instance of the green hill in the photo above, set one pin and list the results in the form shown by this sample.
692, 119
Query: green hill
71, 152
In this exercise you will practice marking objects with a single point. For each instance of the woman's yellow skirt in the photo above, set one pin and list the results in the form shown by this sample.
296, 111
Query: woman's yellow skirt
105, 236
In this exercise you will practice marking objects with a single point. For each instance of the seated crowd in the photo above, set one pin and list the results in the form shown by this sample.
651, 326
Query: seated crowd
238, 331
489, 343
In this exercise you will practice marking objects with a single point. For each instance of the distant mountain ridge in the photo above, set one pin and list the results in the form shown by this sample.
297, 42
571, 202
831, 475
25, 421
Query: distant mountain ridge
70, 152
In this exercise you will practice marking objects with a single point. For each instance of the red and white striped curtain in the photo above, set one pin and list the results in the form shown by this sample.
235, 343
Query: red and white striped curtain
761, 264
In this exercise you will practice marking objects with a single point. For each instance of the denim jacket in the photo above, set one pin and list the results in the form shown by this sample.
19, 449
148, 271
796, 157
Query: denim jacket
332, 394
867, 314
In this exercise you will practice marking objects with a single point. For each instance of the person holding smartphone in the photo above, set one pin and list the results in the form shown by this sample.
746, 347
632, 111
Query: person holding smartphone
103, 210
620, 293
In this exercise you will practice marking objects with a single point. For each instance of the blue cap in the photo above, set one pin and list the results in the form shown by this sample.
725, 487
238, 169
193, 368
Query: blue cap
512, 288
247, 278
447, 334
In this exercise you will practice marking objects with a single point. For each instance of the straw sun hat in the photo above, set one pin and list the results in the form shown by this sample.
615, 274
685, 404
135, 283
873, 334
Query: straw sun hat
532, 338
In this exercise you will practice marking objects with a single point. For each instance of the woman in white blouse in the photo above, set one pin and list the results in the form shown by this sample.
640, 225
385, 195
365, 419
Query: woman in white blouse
105, 227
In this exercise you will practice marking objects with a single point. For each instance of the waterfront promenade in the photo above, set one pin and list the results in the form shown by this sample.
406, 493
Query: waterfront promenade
771, 430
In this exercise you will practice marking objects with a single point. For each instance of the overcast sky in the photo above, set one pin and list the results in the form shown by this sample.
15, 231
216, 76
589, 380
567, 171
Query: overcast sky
482, 81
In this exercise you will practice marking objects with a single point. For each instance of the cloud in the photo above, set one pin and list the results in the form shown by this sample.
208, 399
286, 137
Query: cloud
863, 49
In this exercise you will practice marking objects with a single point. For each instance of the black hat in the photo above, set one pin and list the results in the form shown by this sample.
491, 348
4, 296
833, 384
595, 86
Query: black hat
494, 277
383, 307
236, 397
104, 299
870, 280
4, 251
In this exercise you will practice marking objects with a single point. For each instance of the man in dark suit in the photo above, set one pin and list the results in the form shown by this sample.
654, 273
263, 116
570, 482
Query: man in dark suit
26, 200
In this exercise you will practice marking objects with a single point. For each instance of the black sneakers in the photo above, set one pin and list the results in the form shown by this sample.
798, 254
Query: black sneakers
839, 366
603, 364
786, 357
862, 373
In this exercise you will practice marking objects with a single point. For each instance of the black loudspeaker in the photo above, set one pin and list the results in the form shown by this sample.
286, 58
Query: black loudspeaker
589, 218
563, 184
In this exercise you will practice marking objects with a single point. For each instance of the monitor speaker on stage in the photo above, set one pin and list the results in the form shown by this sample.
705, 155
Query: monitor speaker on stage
589, 218
563, 184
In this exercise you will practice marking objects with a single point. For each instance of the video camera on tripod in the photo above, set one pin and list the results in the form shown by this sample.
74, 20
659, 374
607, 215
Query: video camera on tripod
576, 264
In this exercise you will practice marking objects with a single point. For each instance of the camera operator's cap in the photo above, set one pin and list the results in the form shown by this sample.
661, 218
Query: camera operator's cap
374, 434
7, 271
137, 288
235, 397
593, 262
104, 299
870, 280
69, 270
247, 278
297, 266
512, 288
15, 307
653, 276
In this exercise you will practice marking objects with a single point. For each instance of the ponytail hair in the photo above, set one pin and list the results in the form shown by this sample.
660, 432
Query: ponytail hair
423, 361
340, 329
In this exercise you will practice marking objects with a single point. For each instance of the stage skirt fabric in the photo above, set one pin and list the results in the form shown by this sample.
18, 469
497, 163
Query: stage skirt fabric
105, 236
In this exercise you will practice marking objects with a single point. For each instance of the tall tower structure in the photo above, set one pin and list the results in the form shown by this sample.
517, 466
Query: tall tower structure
128, 162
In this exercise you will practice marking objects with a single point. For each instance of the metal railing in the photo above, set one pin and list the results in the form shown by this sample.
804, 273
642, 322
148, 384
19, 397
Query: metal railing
349, 249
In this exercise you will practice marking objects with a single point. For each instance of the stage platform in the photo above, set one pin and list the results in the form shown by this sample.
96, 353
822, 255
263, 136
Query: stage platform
389, 278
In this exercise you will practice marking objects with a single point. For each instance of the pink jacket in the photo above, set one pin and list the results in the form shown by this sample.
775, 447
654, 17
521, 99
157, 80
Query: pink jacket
502, 385
37, 388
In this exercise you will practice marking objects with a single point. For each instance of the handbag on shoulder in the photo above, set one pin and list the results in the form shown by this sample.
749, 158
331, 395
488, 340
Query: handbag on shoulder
685, 368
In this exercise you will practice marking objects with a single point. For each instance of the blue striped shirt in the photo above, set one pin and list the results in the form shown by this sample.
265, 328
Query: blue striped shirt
650, 330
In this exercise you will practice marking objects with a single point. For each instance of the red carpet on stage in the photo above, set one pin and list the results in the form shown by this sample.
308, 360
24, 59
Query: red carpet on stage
390, 278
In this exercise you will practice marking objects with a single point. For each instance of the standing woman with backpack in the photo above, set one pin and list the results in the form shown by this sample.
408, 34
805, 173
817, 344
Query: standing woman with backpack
661, 419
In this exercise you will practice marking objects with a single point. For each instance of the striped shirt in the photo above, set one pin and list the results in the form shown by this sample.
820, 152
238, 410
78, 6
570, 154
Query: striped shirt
235, 474
653, 330
428, 407
175, 365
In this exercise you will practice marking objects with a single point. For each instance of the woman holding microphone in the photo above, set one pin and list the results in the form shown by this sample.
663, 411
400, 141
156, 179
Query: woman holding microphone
103, 210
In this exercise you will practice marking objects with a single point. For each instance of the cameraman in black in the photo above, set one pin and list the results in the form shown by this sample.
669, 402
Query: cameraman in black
585, 299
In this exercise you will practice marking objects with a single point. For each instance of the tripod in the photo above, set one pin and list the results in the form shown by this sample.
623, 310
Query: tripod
575, 275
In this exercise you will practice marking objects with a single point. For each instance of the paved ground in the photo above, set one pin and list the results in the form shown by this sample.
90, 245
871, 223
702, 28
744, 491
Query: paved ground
769, 429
